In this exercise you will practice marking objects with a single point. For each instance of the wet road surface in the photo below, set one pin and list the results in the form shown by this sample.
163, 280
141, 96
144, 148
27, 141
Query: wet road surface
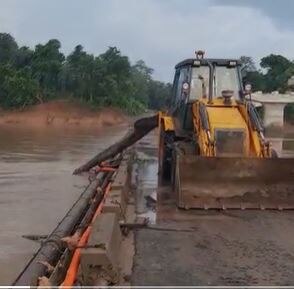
37, 187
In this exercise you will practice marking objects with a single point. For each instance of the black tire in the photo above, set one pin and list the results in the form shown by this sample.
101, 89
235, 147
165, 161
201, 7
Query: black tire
165, 156
176, 186
274, 154
173, 168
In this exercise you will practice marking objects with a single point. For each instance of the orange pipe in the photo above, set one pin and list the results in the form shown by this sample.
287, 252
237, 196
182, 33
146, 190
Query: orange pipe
75, 261
105, 169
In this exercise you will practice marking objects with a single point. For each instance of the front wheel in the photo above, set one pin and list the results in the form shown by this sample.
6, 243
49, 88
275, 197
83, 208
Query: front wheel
165, 155
274, 154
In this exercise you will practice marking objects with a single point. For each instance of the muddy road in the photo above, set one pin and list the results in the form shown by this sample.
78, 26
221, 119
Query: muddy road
37, 187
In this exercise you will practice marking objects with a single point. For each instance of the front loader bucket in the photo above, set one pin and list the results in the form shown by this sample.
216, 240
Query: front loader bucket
234, 183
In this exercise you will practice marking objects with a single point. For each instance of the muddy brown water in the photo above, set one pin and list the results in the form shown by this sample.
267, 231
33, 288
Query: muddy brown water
37, 187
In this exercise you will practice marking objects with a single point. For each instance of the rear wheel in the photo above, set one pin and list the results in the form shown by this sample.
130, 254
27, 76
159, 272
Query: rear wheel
175, 179
173, 168
165, 155
274, 154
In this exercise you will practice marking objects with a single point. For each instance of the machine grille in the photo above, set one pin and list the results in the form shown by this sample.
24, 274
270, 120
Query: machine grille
229, 142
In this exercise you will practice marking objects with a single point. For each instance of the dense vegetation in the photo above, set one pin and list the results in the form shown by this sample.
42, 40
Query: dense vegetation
29, 76
273, 75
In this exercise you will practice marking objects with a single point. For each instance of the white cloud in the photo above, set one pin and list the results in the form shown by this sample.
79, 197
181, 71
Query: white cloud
160, 32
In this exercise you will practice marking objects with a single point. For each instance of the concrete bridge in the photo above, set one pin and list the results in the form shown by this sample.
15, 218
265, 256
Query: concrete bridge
274, 104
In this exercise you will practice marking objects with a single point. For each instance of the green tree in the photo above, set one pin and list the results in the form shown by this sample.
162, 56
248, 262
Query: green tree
8, 48
30, 76
251, 75
278, 71
115, 84
47, 64
256, 79
141, 76
23, 58
78, 74
17, 88
159, 94
248, 65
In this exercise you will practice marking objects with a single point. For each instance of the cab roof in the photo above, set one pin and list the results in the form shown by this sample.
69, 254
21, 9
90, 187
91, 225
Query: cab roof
204, 61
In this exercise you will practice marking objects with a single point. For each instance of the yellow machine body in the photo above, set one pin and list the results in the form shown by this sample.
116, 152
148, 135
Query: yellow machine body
231, 118
222, 160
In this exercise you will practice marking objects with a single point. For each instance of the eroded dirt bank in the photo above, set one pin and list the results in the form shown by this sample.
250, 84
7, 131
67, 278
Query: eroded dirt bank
63, 113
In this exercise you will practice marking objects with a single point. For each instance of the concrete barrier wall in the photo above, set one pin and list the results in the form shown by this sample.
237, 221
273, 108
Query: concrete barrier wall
101, 262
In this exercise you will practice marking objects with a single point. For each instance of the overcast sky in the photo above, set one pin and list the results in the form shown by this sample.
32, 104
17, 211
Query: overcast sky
161, 32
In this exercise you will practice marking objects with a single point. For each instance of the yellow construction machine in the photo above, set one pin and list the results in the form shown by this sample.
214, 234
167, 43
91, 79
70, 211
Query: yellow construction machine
212, 146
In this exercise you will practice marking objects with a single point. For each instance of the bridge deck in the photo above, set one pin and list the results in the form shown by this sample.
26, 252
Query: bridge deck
208, 247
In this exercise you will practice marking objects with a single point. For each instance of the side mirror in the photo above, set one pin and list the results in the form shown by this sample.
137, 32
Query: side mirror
248, 88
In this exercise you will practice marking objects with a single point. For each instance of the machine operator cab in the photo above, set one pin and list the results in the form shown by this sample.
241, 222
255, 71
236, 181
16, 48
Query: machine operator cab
204, 78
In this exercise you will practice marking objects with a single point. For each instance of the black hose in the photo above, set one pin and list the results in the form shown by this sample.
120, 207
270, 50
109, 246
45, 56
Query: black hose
210, 92
52, 248
254, 118
204, 117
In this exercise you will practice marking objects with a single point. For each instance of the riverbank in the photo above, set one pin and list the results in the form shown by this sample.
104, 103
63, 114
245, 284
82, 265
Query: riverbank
63, 113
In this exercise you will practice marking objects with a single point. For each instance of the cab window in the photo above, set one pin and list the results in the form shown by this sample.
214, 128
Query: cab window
184, 76
199, 82
226, 78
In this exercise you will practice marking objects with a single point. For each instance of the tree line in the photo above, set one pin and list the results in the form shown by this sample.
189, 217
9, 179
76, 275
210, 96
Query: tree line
273, 75
30, 76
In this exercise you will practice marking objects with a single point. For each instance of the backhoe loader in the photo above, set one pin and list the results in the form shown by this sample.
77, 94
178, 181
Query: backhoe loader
212, 146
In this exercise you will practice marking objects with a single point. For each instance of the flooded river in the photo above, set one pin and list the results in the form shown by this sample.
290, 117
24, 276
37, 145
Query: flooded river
37, 187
